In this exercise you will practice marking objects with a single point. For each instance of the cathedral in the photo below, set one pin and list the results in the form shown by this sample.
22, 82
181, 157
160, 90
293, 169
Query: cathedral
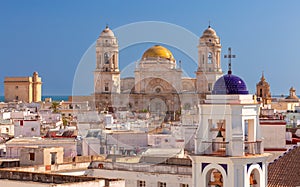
158, 84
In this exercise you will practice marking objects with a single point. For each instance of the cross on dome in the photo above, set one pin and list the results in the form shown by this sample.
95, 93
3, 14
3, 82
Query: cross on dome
229, 56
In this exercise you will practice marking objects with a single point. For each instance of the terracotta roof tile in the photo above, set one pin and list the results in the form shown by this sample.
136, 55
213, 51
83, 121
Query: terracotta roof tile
285, 171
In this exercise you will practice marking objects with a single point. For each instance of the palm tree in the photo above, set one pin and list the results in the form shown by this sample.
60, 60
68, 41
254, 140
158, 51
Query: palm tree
55, 106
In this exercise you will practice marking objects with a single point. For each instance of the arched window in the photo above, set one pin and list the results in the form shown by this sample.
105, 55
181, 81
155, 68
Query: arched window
215, 178
254, 179
209, 87
260, 93
209, 58
106, 58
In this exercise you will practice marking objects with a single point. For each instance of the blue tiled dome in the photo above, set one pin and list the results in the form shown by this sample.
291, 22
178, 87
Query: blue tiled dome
230, 84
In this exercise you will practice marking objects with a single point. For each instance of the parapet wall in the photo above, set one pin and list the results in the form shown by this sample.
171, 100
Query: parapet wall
42, 177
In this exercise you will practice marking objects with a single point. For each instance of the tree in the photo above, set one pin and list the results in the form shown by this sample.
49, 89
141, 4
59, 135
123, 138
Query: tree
55, 106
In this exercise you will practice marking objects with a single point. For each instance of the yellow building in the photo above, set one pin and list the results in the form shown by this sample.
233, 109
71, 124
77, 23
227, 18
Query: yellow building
26, 89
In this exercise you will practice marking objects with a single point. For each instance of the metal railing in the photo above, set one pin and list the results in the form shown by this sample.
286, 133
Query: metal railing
253, 147
215, 148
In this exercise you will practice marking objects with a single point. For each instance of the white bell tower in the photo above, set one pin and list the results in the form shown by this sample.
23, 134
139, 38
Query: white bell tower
228, 143
209, 61
107, 74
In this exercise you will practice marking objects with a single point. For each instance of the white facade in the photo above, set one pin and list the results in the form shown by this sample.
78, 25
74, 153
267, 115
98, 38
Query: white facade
14, 146
7, 128
235, 171
14, 183
228, 144
274, 135
4, 115
237, 117
19, 114
47, 117
27, 128
151, 174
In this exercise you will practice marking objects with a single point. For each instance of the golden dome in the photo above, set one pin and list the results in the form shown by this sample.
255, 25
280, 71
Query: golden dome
158, 51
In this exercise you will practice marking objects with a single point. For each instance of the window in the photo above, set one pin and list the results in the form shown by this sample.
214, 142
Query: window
31, 156
260, 93
141, 183
106, 87
32, 129
209, 87
17, 87
53, 157
17, 97
106, 58
184, 185
157, 90
209, 57
113, 58
162, 184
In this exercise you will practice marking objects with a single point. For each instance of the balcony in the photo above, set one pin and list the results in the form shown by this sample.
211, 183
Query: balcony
215, 148
252, 148
221, 148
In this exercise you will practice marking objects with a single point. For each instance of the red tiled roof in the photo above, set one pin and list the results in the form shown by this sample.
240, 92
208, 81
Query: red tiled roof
285, 171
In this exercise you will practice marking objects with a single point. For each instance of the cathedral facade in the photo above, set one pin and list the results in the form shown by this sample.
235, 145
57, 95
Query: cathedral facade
158, 84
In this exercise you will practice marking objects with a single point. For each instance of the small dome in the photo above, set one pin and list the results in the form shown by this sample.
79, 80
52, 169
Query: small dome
230, 84
292, 94
209, 32
158, 51
107, 32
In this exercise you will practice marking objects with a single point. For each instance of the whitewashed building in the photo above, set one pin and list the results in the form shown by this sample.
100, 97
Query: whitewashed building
27, 128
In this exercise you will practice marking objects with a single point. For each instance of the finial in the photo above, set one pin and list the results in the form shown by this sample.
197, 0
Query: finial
106, 26
229, 56
208, 23
262, 76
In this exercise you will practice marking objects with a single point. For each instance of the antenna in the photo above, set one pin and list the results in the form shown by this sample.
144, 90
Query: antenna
229, 56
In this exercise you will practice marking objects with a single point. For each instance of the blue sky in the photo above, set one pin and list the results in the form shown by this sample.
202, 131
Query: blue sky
51, 36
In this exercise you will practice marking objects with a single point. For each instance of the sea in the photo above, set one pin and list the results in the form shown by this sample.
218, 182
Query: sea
66, 97
53, 97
